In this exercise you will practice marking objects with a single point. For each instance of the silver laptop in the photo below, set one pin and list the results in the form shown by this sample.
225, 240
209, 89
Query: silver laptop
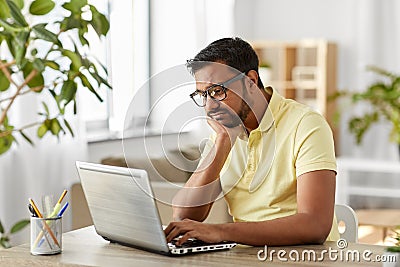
123, 210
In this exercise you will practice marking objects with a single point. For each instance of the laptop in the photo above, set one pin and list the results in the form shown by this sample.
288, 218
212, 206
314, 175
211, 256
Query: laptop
124, 211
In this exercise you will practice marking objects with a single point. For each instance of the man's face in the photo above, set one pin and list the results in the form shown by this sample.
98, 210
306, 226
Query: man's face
234, 109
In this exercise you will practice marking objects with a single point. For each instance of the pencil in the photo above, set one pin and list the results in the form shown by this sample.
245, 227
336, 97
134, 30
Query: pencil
44, 225
62, 196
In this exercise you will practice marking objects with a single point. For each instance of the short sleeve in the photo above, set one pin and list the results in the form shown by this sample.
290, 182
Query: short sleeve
314, 145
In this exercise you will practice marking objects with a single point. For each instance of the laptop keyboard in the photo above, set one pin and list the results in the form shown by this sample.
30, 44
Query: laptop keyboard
188, 244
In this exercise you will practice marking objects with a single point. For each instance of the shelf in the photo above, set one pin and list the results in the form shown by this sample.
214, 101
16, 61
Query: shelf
304, 70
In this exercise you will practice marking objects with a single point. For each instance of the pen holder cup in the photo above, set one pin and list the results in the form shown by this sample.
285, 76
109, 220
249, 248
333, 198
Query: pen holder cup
46, 235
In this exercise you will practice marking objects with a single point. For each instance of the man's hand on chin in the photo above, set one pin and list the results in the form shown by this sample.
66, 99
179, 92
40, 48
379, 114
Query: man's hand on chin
210, 233
228, 133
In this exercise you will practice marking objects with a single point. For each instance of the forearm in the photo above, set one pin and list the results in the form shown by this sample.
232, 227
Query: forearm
195, 199
295, 229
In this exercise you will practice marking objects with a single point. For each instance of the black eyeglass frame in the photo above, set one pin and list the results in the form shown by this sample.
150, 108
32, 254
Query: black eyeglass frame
223, 85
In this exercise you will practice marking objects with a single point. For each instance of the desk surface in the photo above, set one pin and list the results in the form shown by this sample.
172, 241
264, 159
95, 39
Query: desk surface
84, 247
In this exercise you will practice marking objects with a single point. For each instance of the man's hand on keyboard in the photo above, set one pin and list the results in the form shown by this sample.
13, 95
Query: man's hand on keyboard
210, 233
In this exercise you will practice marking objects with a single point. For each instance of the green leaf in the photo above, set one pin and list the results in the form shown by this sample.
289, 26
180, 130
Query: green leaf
5, 123
75, 58
53, 94
99, 22
41, 7
26, 137
1, 228
19, 3
70, 23
4, 10
69, 128
55, 127
38, 80
5, 143
4, 82
8, 27
16, 14
19, 226
101, 80
88, 85
81, 34
75, 6
19, 44
42, 130
44, 34
46, 108
395, 249
75, 107
38, 64
4, 242
34, 52
52, 64
68, 91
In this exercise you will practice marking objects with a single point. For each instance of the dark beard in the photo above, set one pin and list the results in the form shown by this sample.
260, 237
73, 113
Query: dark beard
243, 111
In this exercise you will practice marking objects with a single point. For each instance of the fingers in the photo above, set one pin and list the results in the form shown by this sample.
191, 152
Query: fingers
185, 237
226, 132
215, 125
175, 229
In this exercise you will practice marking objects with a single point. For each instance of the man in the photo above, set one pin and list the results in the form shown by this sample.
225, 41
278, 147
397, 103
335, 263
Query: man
272, 158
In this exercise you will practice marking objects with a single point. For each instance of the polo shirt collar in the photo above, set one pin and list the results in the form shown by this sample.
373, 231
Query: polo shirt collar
267, 120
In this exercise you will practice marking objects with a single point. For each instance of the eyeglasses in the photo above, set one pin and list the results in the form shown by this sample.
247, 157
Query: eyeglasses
216, 91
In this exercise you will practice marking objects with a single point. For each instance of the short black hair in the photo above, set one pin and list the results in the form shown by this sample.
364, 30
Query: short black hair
233, 52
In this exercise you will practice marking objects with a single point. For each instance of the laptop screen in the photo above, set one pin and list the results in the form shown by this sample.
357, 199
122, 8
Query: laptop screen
122, 206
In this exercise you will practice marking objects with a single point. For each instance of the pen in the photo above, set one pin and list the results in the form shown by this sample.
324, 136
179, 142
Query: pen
63, 209
44, 224
32, 210
60, 213
58, 205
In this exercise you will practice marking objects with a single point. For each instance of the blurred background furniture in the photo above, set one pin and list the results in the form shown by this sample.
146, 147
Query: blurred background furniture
347, 221
380, 219
304, 70
345, 188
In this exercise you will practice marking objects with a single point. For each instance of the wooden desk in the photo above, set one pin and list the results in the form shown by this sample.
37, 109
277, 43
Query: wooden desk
84, 247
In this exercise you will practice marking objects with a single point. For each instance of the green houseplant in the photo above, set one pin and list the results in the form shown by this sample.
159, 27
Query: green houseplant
396, 238
383, 97
47, 57
393, 252
5, 236
34, 50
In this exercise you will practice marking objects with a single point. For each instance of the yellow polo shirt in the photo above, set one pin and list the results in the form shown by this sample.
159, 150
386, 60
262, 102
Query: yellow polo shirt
259, 178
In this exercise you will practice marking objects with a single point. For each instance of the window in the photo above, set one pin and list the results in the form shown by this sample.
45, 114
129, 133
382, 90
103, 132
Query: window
125, 52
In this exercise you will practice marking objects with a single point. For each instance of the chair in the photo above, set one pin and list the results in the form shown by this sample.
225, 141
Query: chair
346, 215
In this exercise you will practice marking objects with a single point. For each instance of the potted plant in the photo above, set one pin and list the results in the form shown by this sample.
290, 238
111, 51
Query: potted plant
393, 252
5, 236
38, 48
383, 97
46, 53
